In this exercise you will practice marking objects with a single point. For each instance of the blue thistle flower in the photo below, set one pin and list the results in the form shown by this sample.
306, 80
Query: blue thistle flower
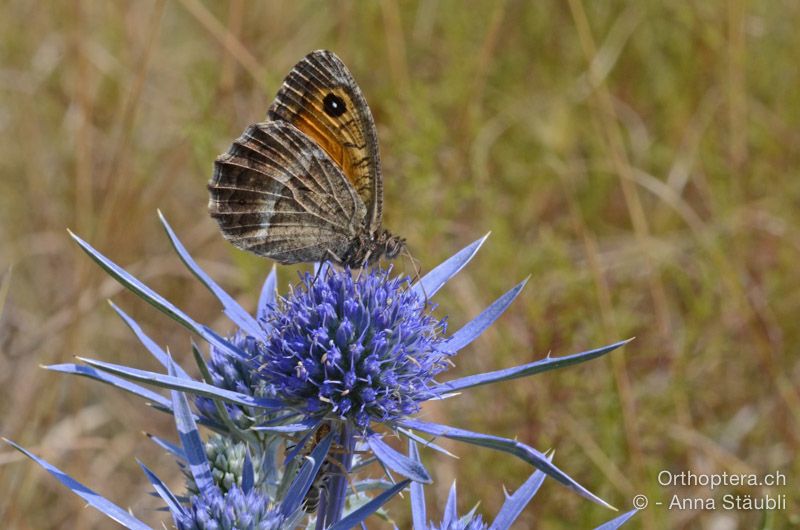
468, 523
362, 348
231, 510
508, 514
227, 459
236, 374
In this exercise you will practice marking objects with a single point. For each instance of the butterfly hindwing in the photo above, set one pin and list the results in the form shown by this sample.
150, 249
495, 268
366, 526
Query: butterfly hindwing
277, 193
321, 98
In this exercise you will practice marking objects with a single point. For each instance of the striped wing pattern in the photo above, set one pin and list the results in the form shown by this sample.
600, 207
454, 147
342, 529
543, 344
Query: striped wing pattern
278, 194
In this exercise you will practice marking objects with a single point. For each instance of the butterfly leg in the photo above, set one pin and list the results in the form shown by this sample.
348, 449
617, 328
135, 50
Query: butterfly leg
334, 257
319, 269
363, 264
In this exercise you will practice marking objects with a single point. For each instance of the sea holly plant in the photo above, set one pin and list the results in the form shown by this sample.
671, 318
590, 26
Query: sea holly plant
322, 373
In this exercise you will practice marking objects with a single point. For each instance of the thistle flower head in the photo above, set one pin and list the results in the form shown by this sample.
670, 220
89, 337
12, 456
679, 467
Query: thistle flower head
227, 460
475, 522
450, 518
236, 374
363, 348
231, 510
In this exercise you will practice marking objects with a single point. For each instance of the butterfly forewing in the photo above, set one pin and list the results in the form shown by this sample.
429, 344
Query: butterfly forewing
321, 98
277, 194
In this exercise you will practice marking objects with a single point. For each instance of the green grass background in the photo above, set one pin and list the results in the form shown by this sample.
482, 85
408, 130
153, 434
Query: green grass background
638, 159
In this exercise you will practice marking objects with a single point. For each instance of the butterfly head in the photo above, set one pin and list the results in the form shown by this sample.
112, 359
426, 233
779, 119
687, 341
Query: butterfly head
367, 250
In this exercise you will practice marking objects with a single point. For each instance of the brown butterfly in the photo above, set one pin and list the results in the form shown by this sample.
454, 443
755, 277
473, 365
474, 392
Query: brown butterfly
306, 184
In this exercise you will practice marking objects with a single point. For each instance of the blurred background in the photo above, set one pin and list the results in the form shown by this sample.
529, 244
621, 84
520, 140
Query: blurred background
638, 159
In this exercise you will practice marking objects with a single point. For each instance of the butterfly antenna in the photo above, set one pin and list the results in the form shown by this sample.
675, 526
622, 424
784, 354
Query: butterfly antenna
415, 263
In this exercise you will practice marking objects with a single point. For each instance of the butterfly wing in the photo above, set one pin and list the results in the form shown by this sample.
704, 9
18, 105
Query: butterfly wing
278, 194
321, 98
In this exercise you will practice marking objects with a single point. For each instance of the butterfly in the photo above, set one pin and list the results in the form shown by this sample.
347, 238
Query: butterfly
305, 185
